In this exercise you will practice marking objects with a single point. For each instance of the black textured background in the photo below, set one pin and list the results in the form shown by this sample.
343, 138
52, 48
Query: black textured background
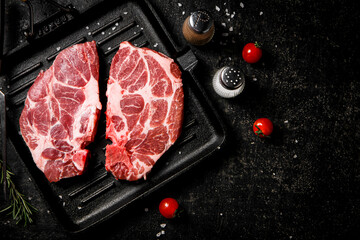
303, 183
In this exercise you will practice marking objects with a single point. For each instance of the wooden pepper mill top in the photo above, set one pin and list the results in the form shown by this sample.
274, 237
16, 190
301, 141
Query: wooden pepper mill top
198, 28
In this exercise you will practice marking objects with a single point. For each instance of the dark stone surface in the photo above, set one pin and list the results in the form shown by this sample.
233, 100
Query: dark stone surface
303, 183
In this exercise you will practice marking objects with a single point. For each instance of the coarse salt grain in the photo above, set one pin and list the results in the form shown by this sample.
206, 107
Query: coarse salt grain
103, 33
156, 44
163, 225
162, 232
286, 121
158, 234
226, 10
231, 29
116, 24
125, 13
217, 8
261, 13
296, 141
255, 79
242, 5
98, 23
295, 156
89, 33
223, 24
183, 13
146, 209
227, 14
87, 27
113, 28
58, 49
109, 48
179, 4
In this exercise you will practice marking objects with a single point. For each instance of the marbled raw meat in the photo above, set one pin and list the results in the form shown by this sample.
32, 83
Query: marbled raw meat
144, 110
61, 112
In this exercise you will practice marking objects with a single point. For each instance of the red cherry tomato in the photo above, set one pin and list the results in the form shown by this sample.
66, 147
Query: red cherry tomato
252, 52
168, 207
263, 127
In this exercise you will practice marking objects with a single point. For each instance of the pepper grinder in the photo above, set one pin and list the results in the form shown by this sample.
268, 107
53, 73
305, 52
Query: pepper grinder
198, 28
229, 81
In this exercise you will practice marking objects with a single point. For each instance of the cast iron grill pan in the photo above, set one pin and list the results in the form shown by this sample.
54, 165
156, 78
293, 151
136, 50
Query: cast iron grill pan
83, 201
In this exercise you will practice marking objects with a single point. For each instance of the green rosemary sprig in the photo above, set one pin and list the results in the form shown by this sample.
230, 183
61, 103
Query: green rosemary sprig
19, 208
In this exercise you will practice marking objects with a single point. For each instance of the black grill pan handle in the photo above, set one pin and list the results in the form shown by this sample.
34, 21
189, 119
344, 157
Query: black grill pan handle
2, 14
2, 100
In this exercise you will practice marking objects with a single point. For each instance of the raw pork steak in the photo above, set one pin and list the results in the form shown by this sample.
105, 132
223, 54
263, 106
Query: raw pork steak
144, 110
61, 112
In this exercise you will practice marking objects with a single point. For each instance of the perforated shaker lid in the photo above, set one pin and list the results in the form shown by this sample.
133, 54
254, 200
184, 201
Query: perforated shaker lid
201, 21
232, 78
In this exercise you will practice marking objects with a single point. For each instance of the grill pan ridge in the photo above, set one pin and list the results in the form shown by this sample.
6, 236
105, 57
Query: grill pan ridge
83, 201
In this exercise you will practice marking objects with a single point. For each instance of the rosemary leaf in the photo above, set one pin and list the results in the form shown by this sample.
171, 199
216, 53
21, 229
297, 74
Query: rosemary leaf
5, 209
20, 209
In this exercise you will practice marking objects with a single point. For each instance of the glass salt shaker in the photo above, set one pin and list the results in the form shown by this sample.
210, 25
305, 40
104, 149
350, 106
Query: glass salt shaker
228, 82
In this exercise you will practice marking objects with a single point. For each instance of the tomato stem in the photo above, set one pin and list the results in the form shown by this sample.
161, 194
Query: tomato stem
178, 212
257, 44
260, 133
